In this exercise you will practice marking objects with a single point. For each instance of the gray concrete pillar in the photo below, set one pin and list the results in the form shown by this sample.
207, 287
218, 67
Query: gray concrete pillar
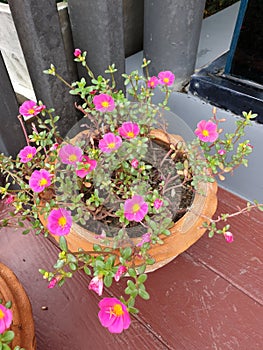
38, 28
11, 135
171, 35
97, 27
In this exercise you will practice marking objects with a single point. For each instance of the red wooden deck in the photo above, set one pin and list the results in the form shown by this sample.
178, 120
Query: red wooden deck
210, 297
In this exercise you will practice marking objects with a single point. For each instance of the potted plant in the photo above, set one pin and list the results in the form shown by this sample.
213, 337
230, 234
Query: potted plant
119, 193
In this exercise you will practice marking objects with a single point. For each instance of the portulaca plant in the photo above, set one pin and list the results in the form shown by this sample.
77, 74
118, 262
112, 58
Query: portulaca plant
112, 177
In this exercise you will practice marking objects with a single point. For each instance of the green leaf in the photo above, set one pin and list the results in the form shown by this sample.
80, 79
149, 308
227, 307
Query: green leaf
133, 310
6, 347
126, 253
8, 304
132, 272
87, 270
143, 294
72, 266
107, 280
63, 243
142, 278
8, 336
141, 269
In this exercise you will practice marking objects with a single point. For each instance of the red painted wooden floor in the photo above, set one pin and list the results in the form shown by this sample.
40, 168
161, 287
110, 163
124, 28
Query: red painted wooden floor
210, 297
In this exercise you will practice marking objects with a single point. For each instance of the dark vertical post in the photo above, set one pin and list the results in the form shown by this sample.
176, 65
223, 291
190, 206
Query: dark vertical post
11, 136
37, 25
171, 35
97, 27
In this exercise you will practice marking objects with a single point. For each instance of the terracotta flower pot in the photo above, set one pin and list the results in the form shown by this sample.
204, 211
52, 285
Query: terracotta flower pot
23, 324
185, 232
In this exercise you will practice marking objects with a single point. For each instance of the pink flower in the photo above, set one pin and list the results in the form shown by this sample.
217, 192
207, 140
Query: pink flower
54, 146
30, 109
249, 145
53, 282
121, 271
96, 284
9, 199
70, 154
27, 153
166, 78
157, 203
86, 166
135, 208
135, 163
228, 237
152, 82
146, 238
39, 180
5, 318
206, 131
221, 152
77, 52
104, 103
114, 315
109, 143
129, 130
59, 222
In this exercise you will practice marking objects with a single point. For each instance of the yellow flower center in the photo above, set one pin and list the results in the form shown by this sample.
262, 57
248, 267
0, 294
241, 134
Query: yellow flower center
29, 155
135, 208
62, 221
31, 111
105, 104
2, 315
72, 157
117, 310
130, 134
166, 80
205, 133
43, 182
111, 145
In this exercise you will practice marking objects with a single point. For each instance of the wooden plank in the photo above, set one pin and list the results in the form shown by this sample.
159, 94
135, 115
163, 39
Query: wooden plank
70, 320
241, 262
191, 307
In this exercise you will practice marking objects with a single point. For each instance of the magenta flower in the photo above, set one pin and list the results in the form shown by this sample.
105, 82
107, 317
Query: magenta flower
59, 222
86, 166
157, 203
221, 152
166, 78
121, 271
27, 153
53, 282
70, 154
30, 109
5, 318
104, 103
54, 146
114, 315
135, 163
135, 208
77, 52
228, 236
129, 130
96, 284
109, 143
146, 238
39, 180
206, 131
152, 82
9, 199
